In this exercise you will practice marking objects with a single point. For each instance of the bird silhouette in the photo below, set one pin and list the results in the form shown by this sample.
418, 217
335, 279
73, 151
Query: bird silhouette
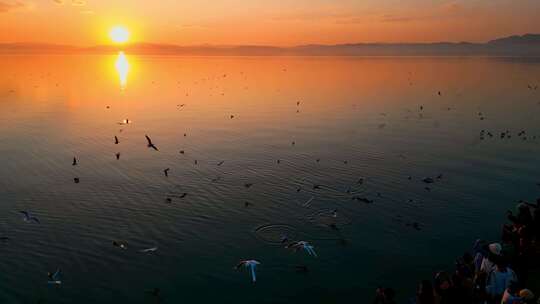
166, 172
116, 140
27, 217
150, 144
74, 161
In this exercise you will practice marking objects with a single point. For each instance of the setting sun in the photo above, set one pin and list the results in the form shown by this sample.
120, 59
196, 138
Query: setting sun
119, 34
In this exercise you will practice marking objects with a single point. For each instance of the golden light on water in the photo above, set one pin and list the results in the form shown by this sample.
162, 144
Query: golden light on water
122, 68
119, 34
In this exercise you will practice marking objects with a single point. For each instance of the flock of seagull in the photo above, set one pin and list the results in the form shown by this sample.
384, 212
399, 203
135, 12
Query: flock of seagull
54, 278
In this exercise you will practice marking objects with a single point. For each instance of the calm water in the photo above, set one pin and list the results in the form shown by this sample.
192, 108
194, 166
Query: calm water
360, 116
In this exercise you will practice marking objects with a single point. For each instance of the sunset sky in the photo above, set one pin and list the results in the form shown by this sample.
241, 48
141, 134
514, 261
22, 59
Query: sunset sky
268, 22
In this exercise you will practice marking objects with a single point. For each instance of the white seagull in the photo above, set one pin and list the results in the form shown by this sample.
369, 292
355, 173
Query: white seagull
303, 245
251, 265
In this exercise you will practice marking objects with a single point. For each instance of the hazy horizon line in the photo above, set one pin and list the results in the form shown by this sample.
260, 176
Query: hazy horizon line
262, 45
521, 45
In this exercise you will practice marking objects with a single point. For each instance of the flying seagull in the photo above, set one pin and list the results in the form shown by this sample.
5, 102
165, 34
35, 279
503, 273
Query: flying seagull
150, 144
54, 278
27, 217
303, 245
251, 265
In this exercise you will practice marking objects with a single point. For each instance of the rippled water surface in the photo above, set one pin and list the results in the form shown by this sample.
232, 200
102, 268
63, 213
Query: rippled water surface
284, 125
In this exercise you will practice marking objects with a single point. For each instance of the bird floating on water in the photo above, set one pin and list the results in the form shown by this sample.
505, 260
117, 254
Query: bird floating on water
149, 250
428, 180
119, 245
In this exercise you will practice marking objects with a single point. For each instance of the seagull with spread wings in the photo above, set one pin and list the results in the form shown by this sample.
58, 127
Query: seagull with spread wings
150, 144
303, 245
251, 265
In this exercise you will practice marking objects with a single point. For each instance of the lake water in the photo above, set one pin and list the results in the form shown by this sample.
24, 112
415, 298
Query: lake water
380, 119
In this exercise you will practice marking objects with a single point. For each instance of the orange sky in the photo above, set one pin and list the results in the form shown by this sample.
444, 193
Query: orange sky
268, 22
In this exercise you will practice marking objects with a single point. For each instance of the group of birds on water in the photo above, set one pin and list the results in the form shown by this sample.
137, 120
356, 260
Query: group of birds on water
54, 278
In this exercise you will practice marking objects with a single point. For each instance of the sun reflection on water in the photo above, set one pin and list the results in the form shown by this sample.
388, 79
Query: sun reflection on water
122, 68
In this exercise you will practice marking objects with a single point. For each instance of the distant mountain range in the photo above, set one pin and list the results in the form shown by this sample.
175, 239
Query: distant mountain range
525, 45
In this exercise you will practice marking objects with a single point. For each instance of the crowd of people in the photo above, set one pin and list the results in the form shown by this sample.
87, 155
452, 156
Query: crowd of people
491, 273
